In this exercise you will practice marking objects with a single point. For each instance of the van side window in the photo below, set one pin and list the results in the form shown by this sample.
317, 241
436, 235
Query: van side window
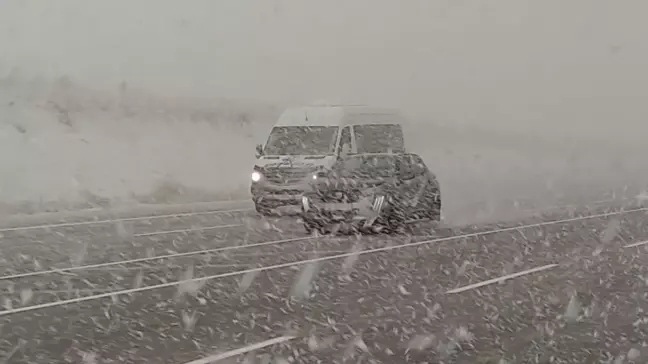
379, 138
345, 138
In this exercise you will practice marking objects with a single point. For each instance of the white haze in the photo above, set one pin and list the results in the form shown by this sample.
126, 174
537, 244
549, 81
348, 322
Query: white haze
541, 69
525, 63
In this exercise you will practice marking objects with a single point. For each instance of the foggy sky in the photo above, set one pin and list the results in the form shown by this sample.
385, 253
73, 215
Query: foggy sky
547, 63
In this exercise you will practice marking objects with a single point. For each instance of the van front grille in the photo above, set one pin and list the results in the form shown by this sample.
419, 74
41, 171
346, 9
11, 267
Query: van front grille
285, 175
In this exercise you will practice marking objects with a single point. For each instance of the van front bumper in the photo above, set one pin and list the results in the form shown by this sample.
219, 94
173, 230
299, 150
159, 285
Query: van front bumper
364, 213
272, 196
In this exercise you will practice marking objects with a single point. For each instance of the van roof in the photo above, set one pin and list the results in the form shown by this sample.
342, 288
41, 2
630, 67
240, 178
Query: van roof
338, 115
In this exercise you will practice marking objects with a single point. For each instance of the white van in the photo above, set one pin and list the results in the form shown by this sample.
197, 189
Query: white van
308, 140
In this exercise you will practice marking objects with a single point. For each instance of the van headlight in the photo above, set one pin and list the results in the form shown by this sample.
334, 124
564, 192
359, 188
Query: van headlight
318, 174
256, 176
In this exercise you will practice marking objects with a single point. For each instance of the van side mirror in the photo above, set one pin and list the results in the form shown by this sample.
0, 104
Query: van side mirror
418, 169
407, 174
259, 150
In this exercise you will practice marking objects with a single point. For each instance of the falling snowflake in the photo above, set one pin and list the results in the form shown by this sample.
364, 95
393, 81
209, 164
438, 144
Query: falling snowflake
138, 280
573, 309
633, 354
350, 260
303, 284
89, 357
189, 320
26, 296
421, 342
246, 281
610, 231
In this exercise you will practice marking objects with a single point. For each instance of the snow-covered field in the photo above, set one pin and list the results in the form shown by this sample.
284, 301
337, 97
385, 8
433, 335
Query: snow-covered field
62, 148
103, 158
65, 147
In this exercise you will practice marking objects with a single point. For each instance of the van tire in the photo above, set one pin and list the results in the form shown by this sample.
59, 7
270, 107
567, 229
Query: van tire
263, 210
308, 228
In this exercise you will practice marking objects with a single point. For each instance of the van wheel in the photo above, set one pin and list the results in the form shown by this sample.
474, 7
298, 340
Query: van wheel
309, 228
396, 223
263, 210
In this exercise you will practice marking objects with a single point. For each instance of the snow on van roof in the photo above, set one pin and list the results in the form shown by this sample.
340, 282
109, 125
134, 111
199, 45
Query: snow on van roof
338, 115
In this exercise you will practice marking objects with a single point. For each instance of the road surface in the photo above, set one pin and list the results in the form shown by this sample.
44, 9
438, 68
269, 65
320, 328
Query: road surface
563, 287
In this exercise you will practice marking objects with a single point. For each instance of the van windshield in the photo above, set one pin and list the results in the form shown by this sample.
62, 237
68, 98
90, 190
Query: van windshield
379, 138
301, 140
